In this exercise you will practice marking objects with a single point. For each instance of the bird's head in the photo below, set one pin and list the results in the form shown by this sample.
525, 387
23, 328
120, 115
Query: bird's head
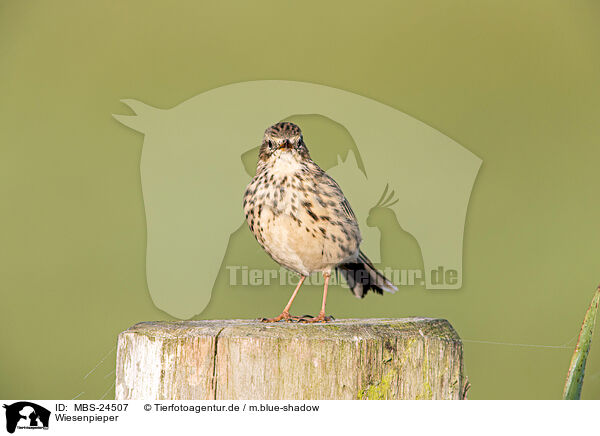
283, 138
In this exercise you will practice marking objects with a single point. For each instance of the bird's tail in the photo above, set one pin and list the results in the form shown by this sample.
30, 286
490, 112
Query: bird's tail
363, 276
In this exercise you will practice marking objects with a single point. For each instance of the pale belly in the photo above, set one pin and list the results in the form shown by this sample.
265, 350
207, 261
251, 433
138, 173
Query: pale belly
302, 251
302, 229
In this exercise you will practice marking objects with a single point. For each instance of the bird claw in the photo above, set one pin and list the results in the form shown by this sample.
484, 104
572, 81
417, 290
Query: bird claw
276, 319
320, 318
268, 319
283, 317
300, 319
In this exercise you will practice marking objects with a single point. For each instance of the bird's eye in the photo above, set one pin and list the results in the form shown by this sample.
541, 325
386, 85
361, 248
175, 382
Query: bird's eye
270, 145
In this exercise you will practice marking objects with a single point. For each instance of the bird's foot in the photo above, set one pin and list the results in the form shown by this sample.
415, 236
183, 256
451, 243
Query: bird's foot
320, 318
285, 316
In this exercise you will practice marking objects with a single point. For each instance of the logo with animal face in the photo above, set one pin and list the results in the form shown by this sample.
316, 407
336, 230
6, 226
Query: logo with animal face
193, 180
26, 415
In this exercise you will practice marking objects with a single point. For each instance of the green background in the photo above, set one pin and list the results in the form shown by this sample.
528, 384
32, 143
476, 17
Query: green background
514, 82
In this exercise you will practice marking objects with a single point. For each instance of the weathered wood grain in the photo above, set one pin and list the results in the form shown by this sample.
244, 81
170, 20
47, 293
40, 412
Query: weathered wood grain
413, 358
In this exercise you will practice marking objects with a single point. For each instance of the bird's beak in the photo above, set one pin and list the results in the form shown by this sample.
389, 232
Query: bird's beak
285, 145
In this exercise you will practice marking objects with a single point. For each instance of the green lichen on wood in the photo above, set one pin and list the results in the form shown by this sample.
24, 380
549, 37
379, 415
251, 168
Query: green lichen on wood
427, 393
380, 389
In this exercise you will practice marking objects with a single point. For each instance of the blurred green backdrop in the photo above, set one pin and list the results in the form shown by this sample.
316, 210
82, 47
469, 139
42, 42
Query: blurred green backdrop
514, 82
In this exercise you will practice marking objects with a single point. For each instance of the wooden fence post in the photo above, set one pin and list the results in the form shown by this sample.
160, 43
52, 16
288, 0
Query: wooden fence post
412, 358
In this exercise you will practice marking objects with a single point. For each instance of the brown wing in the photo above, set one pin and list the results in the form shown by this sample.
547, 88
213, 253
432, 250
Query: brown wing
348, 209
336, 192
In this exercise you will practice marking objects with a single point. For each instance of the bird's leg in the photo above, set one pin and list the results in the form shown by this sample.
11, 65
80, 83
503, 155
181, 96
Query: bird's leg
322, 317
286, 311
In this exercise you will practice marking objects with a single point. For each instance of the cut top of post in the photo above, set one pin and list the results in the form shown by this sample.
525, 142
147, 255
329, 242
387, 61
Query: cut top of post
407, 358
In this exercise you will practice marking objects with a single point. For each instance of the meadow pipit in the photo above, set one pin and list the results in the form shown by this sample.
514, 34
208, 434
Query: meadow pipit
301, 218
